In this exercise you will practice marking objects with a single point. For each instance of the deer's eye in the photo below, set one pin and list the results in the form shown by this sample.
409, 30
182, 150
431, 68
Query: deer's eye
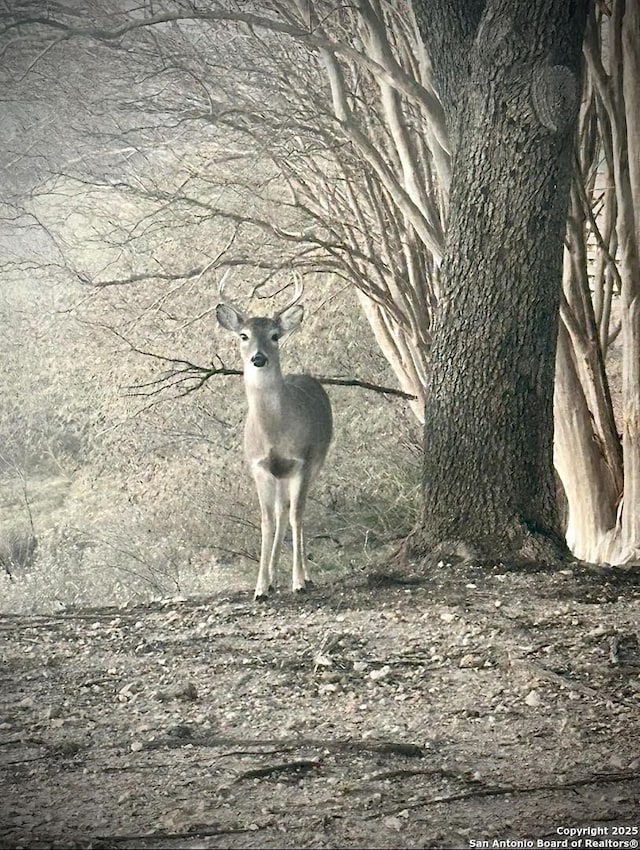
275, 337
244, 337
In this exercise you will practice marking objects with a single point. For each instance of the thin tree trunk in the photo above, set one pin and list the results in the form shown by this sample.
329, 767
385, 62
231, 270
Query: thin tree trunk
581, 464
401, 353
630, 541
628, 188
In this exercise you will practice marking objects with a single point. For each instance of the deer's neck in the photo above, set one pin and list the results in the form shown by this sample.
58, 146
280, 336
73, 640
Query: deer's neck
265, 391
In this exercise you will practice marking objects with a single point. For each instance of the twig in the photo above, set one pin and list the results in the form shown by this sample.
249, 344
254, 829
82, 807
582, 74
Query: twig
614, 646
186, 371
543, 673
503, 790
282, 767
134, 768
191, 833
27, 761
366, 385
403, 772
273, 752
398, 748
571, 684
201, 374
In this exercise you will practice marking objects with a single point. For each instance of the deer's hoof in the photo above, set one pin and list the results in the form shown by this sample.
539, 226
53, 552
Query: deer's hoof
261, 597
308, 583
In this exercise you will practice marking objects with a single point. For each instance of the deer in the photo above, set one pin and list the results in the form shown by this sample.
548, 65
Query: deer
287, 432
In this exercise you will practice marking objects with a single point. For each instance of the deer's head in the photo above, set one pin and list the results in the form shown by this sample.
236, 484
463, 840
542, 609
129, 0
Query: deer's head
260, 336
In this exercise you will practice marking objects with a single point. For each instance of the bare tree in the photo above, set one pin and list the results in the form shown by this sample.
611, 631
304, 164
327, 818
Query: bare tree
350, 140
325, 123
598, 465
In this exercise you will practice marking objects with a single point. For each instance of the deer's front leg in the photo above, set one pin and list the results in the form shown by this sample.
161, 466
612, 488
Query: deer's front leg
281, 508
298, 492
266, 486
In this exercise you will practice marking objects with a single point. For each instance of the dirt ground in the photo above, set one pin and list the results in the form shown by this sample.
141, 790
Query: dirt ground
469, 705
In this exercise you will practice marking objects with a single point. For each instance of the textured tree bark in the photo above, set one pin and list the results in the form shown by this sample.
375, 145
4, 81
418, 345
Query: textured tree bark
509, 73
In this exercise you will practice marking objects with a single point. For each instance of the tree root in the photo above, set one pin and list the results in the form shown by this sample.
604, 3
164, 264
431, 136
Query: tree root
520, 545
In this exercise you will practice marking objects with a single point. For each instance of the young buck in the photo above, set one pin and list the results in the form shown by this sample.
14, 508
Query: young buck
287, 433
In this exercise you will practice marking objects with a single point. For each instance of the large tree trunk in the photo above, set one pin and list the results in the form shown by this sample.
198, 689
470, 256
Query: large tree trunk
509, 73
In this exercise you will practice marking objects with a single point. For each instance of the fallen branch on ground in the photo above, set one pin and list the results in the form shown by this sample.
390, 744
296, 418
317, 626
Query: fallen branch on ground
281, 767
504, 790
196, 832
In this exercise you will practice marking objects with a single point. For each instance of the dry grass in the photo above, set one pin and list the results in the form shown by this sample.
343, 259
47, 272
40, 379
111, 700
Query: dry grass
149, 503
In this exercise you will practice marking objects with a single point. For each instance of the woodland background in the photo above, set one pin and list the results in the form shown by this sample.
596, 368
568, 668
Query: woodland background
141, 161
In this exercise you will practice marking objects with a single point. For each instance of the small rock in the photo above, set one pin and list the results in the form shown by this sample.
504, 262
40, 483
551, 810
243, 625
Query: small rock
470, 660
330, 676
381, 673
188, 691
136, 746
182, 731
184, 690
533, 699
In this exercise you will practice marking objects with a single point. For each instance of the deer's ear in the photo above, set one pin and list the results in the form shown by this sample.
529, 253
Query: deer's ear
290, 318
230, 318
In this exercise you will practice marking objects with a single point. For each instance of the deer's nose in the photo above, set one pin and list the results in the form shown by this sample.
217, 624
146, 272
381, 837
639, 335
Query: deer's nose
259, 359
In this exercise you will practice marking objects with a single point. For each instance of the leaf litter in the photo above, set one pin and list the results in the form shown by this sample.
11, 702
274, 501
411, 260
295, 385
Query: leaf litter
468, 703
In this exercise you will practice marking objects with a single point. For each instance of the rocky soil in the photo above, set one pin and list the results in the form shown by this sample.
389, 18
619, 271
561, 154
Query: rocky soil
386, 712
